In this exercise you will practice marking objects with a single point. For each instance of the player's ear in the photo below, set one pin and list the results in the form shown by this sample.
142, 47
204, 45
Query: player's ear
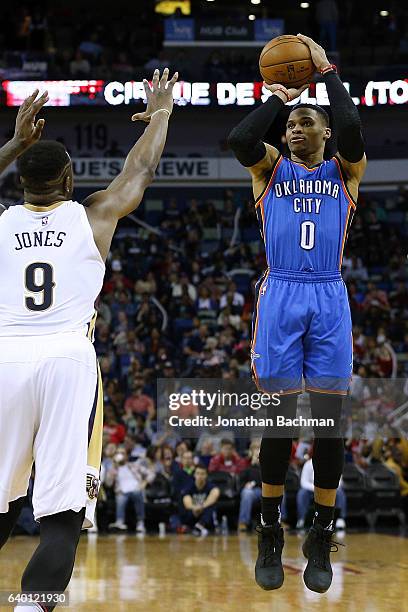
327, 133
67, 183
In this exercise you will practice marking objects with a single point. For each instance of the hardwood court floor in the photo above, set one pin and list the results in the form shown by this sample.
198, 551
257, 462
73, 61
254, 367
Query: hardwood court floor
184, 574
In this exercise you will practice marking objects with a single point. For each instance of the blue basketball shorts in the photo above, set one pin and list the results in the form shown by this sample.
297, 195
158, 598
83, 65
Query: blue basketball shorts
302, 327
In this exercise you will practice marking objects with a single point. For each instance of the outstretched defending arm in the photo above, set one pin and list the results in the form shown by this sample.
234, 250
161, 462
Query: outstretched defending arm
27, 131
347, 121
124, 194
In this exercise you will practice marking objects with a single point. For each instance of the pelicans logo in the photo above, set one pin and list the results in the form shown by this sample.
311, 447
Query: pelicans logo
92, 486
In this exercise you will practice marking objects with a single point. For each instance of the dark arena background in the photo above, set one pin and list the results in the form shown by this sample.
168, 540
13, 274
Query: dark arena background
178, 295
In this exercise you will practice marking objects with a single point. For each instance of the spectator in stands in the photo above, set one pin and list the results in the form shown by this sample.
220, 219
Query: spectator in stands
214, 68
251, 491
375, 297
79, 67
181, 447
227, 317
206, 451
139, 402
130, 480
393, 460
227, 460
386, 359
206, 307
167, 436
233, 298
184, 478
161, 61
91, 47
122, 66
113, 427
305, 495
11, 189
169, 466
135, 446
199, 503
108, 453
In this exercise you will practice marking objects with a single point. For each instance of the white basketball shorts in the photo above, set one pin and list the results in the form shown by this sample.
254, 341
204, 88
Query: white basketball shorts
51, 414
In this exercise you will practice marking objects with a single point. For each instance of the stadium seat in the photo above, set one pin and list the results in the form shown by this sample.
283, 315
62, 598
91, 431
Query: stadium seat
211, 233
182, 325
384, 494
159, 501
218, 204
153, 211
355, 487
209, 246
251, 233
228, 500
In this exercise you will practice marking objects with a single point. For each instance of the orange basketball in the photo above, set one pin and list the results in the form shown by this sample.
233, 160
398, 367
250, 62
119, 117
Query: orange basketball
286, 60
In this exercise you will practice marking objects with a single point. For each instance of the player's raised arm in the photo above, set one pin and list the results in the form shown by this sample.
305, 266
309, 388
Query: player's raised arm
27, 130
246, 139
125, 192
347, 121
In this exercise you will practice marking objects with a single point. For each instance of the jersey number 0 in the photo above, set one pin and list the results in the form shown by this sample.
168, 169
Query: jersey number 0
45, 286
307, 235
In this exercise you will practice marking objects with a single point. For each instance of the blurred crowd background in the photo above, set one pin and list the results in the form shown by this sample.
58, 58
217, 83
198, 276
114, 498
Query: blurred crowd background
178, 294
177, 302
76, 41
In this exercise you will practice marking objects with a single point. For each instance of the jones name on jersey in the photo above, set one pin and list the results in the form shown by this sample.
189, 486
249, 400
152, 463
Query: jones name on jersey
50, 238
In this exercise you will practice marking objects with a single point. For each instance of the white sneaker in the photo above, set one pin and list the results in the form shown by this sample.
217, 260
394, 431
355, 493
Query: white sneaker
200, 530
340, 523
140, 527
300, 524
93, 529
118, 525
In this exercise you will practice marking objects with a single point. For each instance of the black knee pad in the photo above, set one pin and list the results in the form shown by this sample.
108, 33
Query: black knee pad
328, 451
275, 451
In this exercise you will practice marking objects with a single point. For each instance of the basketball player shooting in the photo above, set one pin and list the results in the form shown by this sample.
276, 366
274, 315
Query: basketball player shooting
302, 323
53, 253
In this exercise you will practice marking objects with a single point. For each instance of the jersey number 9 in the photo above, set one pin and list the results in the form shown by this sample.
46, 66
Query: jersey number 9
39, 281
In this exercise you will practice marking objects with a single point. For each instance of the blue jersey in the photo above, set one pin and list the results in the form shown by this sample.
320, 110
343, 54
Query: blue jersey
304, 215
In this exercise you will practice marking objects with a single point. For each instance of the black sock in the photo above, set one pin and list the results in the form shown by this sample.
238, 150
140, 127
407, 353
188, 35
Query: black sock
270, 509
324, 515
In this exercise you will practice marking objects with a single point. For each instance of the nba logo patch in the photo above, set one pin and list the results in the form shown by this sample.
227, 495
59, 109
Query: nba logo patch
44, 220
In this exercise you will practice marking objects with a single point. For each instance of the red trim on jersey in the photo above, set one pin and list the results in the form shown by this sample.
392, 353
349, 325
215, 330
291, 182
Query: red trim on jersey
346, 191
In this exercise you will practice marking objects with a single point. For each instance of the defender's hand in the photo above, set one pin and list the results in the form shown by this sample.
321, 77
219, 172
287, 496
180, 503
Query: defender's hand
319, 57
286, 94
27, 130
159, 96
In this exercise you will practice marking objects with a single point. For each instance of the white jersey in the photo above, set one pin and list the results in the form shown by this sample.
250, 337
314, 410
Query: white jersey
51, 270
